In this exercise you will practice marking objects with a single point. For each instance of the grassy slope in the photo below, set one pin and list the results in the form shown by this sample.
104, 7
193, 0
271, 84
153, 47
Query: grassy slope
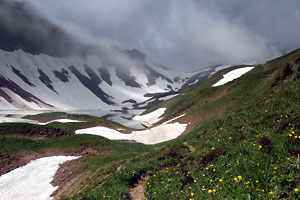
249, 141
105, 156
240, 130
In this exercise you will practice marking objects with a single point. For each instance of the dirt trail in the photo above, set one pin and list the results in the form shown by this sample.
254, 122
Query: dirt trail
138, 191
192, 149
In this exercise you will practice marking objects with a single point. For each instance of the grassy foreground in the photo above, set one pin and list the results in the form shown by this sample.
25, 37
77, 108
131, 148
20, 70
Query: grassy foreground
244, 144
250, 150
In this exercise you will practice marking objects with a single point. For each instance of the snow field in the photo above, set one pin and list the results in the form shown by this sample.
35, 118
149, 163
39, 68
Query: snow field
61, 121
161, 133
234, 74
15, 119
32, 181
150, 118
73, 95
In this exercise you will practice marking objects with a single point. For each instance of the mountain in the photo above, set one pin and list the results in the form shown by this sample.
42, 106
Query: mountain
240, 140
43, 68
222, 132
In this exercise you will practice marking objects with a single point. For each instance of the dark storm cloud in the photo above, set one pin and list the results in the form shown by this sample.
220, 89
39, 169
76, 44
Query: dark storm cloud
176, 33
22, 30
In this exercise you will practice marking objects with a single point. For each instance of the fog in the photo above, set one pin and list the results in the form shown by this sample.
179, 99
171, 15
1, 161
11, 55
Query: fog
180, 34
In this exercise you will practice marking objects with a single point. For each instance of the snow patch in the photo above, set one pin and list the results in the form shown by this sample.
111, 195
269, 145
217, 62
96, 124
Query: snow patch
193, 83
167, 97
32, 181
234, 74
174, 119
61, 121
4, 119
162, 133
150, 118
14, 120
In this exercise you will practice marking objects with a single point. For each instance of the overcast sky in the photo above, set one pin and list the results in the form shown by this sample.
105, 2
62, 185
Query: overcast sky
182, 34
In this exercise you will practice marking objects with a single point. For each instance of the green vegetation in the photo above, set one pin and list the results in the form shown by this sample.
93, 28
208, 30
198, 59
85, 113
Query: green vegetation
252, 154
244, 143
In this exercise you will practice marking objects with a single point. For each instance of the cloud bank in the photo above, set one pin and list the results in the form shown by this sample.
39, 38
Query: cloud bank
182, 34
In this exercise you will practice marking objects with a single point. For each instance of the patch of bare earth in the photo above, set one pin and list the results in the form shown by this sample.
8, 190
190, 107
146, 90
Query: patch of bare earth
137, 192
67, 180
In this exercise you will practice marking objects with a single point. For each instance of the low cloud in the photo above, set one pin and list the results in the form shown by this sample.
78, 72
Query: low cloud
181, 34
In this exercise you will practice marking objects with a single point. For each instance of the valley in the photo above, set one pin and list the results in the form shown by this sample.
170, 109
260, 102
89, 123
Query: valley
136, 100
211, 141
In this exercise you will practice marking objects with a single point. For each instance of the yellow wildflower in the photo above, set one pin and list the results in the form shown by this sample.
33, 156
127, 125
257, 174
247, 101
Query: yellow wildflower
210, 191
192, 194
220, 180
214, 190
240, 178
296, 189
275, 168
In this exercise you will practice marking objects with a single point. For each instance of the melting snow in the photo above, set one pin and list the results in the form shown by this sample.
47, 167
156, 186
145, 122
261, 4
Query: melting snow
234, 74
60, 121
193, 83
155, 135
167, 97
32, 181
21, 120
150, 118
14, 119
